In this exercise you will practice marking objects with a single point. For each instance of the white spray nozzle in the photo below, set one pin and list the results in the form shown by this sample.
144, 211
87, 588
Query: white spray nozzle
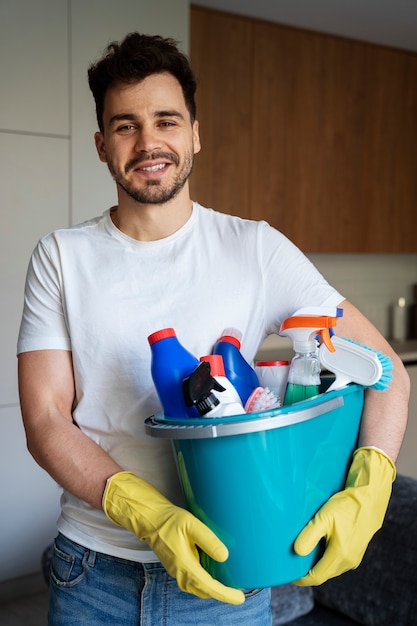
304, 346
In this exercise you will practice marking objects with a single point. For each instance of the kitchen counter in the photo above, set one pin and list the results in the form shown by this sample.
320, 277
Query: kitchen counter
276, 348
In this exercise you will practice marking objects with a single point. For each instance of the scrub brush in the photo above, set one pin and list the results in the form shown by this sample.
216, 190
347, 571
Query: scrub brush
261, 399
354, 363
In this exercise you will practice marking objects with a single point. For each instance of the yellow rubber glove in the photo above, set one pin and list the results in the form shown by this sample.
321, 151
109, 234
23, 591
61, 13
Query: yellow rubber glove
171, 532
350, 518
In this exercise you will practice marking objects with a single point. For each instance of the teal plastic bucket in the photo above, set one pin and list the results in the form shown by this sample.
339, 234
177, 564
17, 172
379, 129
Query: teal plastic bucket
257, 479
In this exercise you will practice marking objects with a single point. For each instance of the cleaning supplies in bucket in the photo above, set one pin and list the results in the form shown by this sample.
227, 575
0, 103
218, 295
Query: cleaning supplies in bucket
187, 387
304, 374
170, 364
261, 399
237, 369
354, 363
228, 395
274, 375
215, 396
211, 397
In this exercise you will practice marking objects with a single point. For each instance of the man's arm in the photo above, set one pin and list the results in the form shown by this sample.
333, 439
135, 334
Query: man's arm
350, 518
78, 464
46, 387
385, 413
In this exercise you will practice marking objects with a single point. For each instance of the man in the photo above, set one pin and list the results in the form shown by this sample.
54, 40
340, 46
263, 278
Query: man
127, 550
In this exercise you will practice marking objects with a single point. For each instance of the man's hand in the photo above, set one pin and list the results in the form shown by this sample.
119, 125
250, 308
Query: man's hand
172, 533
350, 518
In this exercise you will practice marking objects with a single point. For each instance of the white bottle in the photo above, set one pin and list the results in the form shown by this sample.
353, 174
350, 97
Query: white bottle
229, 399
274, 375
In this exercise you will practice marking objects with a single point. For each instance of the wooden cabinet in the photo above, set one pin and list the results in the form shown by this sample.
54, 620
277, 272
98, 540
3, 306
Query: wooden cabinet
314, 133
222, 57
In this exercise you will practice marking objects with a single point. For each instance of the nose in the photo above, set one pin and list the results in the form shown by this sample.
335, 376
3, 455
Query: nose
147, 139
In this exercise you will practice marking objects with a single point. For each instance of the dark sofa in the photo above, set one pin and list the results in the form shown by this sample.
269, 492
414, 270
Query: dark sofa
382, 591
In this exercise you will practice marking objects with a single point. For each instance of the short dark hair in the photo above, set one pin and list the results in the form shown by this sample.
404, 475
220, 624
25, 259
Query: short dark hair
135, 58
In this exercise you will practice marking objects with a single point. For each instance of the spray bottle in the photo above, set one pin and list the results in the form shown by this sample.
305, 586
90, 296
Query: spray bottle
228, 395
204, 391
304, 374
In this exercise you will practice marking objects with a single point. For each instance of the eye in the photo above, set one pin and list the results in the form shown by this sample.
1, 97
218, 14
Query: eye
126, 128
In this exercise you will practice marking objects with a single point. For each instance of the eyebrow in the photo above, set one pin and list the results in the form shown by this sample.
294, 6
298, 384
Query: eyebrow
122, 116
119, 117
168, 113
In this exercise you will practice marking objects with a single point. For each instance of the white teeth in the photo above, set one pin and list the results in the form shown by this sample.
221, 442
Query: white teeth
153, 168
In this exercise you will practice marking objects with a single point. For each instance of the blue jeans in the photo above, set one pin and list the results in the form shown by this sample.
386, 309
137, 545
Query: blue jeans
89, 588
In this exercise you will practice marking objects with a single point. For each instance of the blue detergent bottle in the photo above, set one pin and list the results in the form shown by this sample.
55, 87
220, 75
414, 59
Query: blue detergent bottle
240, 373
170, 364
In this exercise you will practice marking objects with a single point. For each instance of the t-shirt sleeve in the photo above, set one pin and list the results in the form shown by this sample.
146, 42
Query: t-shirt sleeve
43, 325
290, 280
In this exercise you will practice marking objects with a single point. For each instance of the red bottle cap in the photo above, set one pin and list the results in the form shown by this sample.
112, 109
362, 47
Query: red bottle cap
216, 364
230, 339
161, 334
269, 363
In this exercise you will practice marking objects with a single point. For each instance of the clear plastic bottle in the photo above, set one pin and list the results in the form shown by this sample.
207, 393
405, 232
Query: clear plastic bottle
170, 364
242, 376
304, 373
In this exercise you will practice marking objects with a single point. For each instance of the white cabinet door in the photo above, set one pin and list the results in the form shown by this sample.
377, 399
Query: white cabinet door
34, 67
34, 201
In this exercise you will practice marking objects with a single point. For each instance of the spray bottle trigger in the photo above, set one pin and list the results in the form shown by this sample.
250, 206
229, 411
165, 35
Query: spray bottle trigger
199, 385
325, 335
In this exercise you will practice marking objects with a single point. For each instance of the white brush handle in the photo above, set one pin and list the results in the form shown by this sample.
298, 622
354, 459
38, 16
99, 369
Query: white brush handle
340, 381
351, 363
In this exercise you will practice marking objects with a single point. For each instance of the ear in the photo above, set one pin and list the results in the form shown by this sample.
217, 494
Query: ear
100, 146
196, 137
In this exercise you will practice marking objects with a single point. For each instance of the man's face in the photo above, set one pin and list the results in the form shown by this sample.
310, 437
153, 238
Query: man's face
148, 141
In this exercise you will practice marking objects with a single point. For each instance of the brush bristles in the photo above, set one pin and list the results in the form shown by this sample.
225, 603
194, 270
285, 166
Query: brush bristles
387, 367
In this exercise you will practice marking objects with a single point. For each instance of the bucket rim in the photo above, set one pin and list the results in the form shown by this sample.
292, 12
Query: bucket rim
159, 425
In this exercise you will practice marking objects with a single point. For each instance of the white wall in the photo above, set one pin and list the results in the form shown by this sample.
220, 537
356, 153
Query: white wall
50, 177
34, 185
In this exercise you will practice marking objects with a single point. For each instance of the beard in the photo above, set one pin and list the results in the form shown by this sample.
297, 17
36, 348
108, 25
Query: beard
154, 192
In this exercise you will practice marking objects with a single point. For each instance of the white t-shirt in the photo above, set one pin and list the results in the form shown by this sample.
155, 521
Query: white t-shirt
97, 292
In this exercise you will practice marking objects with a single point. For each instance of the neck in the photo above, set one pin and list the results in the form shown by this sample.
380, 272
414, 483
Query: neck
150, 222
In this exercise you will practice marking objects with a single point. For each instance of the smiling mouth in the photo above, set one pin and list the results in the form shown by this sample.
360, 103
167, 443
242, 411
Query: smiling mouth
152, 162
153, 168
